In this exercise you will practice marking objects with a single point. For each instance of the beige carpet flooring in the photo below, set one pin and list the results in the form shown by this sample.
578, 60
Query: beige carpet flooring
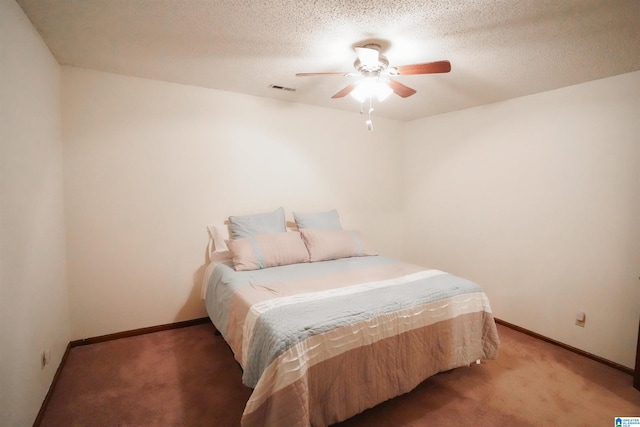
188, 377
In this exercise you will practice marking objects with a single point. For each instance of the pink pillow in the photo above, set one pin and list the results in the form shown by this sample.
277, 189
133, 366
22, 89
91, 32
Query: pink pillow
268, 250
335, 244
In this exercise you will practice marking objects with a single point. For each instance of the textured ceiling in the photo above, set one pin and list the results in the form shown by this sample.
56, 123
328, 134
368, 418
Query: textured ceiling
498, 49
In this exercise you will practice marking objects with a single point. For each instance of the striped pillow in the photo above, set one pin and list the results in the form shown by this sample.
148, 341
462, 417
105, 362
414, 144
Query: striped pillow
324, 245
268, 250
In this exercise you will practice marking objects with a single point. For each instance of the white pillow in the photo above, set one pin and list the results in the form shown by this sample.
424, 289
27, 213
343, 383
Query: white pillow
218, 236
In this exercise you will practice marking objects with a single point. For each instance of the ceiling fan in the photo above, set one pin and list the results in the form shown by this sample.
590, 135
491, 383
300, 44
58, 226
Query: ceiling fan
377, 74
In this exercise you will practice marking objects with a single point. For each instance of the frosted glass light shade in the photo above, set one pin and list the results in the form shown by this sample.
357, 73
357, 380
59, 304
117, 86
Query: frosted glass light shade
371, 87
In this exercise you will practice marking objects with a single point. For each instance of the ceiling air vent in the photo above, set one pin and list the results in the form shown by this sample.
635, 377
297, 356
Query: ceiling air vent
286, 89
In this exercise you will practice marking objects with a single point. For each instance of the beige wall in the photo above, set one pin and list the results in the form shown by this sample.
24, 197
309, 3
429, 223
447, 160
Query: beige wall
535, 198
149, 164
538, 200
34, 313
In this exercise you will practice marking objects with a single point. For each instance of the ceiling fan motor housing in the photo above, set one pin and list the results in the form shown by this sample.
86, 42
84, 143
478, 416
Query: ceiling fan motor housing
373, 68
369, 70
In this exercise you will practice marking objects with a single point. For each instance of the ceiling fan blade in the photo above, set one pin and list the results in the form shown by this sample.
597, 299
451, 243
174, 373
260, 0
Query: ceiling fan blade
367, 56
344, 92
322, 74
426, 68
400, 89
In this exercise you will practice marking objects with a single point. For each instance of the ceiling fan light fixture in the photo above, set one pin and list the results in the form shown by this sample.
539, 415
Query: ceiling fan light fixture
371, 87
377, 78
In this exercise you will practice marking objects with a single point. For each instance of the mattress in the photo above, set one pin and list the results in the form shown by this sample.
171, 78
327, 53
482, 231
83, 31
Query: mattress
320, 342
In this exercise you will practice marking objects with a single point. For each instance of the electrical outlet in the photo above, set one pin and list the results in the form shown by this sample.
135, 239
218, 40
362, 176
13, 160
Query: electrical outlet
45, 357
581, 318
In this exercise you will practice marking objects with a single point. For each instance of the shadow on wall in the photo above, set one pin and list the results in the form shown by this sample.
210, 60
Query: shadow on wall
193, 307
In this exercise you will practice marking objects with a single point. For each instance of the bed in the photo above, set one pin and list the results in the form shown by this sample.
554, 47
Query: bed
321, 340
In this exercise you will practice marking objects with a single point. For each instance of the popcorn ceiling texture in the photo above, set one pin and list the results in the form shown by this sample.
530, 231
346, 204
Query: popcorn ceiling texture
499, 49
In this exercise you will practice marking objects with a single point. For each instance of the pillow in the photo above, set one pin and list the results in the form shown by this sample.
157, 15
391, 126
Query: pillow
324, 245
319, 221
218, 235
268, 250
249, 225
217, 247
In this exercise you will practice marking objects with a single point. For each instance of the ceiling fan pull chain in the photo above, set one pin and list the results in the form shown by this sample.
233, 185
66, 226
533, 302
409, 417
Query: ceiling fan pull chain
368, 122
